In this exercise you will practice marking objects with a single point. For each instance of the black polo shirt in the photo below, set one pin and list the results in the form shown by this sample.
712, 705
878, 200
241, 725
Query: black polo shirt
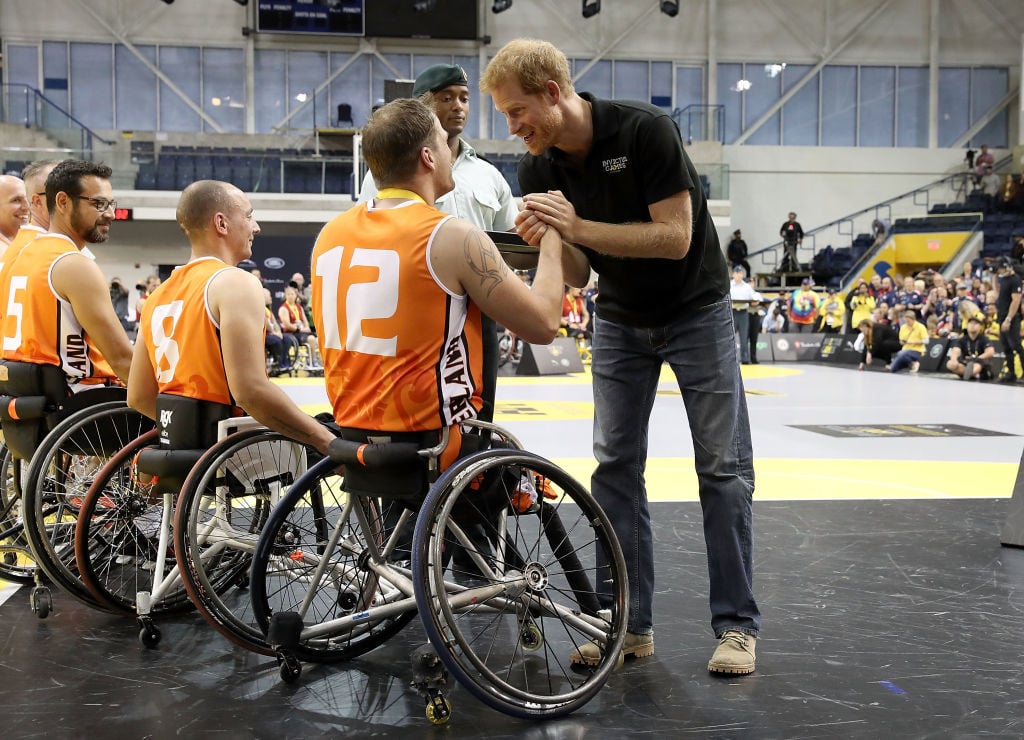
972, 347
636, 159
1009, 286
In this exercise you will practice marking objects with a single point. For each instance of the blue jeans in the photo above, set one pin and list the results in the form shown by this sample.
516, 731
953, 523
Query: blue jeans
742, 321
904, 358
701, 350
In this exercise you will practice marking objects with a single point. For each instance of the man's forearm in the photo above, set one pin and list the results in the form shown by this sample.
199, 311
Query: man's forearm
667, 241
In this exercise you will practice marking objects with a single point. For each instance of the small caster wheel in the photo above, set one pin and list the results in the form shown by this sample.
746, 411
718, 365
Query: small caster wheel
242, 582
439, 710
291, 668
41, 602
149, 635
531, 638
10, 559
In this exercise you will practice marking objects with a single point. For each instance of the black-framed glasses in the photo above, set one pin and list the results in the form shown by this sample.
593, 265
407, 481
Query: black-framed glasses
100, 204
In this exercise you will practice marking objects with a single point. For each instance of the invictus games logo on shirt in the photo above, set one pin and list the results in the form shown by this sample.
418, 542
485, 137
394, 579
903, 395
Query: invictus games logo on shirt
616, 164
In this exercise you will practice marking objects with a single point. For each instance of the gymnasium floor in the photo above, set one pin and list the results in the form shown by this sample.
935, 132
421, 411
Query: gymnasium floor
890, 608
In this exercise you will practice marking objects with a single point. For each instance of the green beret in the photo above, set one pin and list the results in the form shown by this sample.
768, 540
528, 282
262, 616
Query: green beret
438, 77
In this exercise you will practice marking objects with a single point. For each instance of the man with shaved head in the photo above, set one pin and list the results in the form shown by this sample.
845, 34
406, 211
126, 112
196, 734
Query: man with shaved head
201, 331
13, 208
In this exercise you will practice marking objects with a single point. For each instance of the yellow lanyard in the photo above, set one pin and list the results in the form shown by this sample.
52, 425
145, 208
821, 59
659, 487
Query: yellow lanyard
398, 193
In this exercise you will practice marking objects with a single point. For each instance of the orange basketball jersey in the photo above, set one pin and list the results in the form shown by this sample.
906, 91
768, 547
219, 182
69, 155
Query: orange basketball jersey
401, 352
181, 336
40, 326
26, 234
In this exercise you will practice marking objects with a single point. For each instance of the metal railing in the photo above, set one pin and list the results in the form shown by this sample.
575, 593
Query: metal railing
26, 106
701, 122
842, 231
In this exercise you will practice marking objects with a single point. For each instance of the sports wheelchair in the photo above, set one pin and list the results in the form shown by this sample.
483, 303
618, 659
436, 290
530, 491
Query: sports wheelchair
172, 519
545, 573
55, 442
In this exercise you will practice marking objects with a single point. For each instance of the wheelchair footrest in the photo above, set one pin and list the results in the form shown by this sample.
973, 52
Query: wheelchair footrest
285, 630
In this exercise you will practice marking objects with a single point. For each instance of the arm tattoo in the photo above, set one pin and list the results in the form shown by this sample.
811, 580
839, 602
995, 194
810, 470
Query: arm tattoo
482, 261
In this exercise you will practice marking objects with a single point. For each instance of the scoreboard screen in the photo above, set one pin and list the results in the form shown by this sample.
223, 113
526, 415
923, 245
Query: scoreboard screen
340, 17
439, 19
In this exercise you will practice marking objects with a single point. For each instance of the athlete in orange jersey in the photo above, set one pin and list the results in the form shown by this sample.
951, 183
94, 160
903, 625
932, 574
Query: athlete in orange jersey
398, 288
201, 331
58, 309
14, 209
34, 175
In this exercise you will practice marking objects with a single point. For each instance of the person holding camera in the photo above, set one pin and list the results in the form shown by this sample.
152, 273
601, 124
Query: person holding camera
119, 300
969, 356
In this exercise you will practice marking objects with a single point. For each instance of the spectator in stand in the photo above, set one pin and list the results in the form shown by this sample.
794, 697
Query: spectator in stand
859, 304
792, 234
298, 282
575, 317
774, 320
1008, 315
875, 285
119, 300
882, 340
909, 297
275, 341
831, 313
913, 338
969, 356
293, 321
990, 184
803, 308
736, 252
939, 307
1017, 250
886, 295
145, 290
983, 160
742, 294
878, 230
991, 323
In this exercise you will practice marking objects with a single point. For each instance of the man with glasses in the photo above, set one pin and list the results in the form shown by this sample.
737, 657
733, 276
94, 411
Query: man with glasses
13, 208
34, 175
58, 309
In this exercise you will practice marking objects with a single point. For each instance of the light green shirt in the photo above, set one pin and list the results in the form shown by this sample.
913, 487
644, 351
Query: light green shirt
481, 195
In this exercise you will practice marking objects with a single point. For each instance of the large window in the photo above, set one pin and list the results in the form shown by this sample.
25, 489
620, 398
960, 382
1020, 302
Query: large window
192, 88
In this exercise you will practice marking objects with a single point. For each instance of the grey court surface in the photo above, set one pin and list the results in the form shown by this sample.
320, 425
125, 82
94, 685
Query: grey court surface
890, 608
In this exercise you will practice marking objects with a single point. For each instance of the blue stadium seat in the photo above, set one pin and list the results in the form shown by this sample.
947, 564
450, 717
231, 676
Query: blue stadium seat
145, 178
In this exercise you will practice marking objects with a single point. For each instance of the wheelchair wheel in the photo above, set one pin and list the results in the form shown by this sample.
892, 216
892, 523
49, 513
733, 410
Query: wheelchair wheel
506, 627
16, 561
296, 570
62, 469
117, 536
221, 511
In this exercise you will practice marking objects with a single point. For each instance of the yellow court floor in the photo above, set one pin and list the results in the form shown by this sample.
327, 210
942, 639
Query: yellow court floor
552, 416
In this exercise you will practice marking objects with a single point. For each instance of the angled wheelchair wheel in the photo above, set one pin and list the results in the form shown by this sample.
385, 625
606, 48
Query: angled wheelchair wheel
506, 626
117, 536
62, 469
221, 511
16, 561
312, 560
